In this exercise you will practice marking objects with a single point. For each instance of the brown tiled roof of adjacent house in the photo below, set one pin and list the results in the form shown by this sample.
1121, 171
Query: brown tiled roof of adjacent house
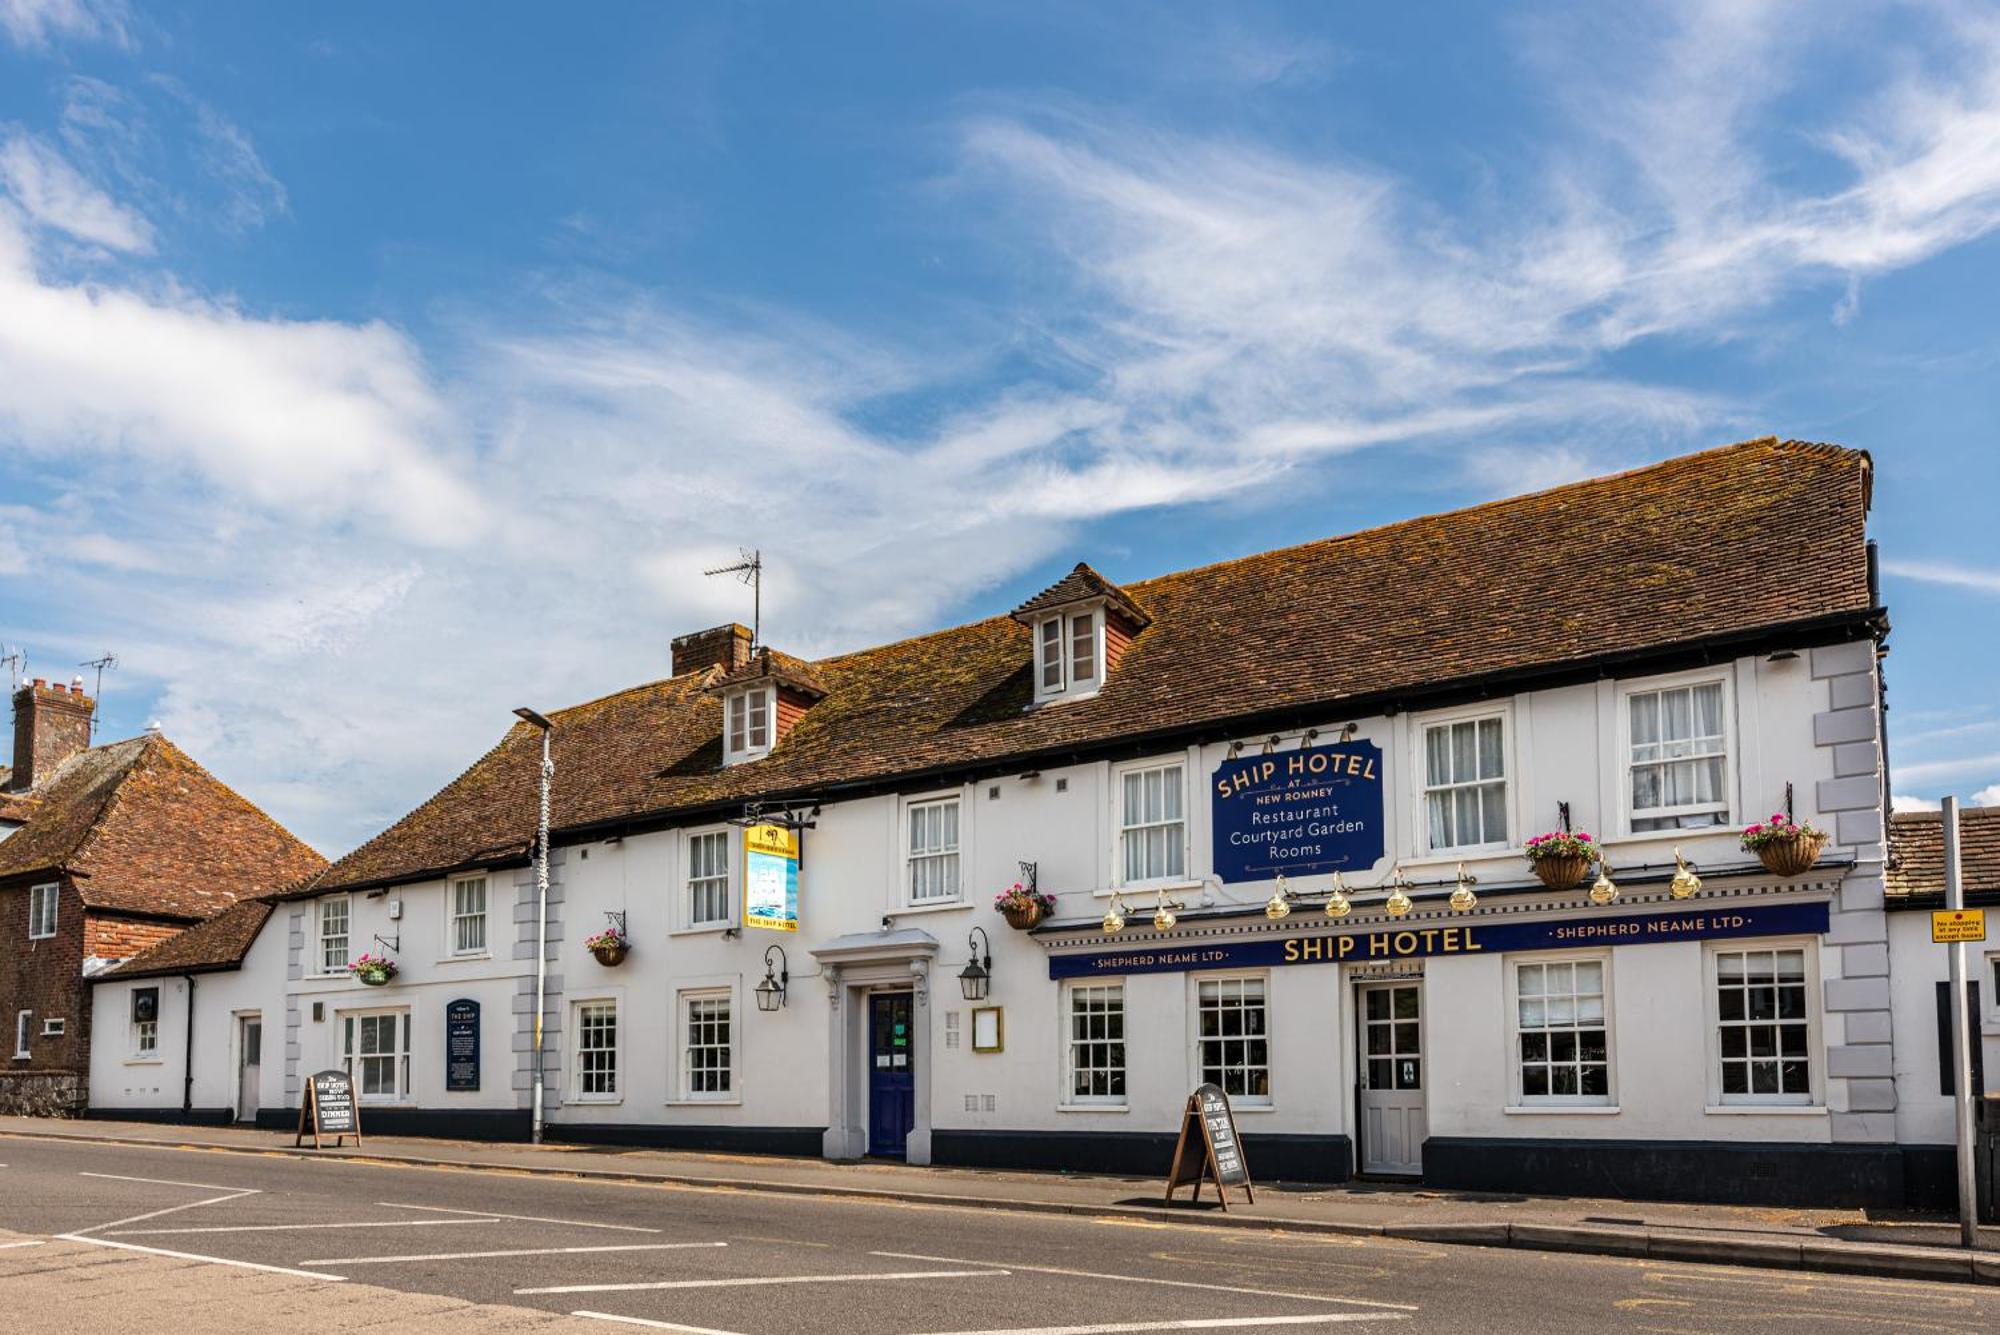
1734, 542
1077, 585
771, 665
1916, 852
207, 947
144, 829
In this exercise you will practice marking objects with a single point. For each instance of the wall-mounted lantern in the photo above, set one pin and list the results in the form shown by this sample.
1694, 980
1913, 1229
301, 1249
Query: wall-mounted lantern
975, 980
777, 978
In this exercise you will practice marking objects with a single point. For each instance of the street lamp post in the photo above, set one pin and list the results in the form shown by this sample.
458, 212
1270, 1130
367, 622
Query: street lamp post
548, 774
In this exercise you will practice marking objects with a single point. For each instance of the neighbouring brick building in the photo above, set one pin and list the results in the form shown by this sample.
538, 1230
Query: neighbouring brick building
105, 852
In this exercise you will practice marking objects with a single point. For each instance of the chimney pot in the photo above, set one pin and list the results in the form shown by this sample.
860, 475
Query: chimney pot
50, 726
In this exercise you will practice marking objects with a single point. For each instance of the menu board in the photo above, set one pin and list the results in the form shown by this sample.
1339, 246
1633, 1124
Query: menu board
1209, 1149
327, 1108
461, 1046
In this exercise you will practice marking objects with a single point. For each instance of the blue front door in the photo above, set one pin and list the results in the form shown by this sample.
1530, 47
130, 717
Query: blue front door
891, 1073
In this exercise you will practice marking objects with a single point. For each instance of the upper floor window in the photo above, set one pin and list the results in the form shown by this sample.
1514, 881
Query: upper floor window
1465, 784
1679, 753
333, 934
42, 901
1152, 822
1068, 657
749, 730
708, 879
468, 916
934, 851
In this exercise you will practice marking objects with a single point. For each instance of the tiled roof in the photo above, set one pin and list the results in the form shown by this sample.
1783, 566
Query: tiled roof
219, 943
143, 829
1730, 542
1078, 584
771, 665
1916, 852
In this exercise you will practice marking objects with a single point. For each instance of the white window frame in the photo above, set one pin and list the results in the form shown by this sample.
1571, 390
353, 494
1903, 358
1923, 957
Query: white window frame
1557, 1102
1066, 685
24, 1028
1992, 988
350, 1032
1198, 1072
955, 853
1420, 775
732, 878
684, 1003
56, 1027
40, 897
320, 937
1732, 799
145, 1034
1119, 829
1815, 1098
736, 702
454, 916
1071, 1042
616, 1094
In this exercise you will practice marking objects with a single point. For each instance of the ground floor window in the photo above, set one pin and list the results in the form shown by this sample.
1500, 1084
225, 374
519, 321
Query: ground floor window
146, 1022
1097, 1043
1764, 1023
24, 1024
1234, 1045
376, 1045
707, 1051
597, 1050
1564, 1041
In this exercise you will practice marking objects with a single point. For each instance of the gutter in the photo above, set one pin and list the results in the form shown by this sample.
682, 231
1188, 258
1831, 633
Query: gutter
187, 1060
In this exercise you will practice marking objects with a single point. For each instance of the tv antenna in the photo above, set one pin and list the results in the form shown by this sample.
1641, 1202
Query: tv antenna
17, 663
109, 660
749, 570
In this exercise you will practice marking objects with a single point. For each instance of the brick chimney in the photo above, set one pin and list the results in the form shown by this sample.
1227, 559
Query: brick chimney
51, 724
726, 647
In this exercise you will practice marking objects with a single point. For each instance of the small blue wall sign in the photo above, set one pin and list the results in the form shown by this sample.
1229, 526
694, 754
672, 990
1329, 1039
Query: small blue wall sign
1303, 813
461, 1045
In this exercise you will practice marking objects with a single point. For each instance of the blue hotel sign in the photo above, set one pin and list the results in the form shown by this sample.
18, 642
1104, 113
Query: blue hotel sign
1303, 813
1472, 938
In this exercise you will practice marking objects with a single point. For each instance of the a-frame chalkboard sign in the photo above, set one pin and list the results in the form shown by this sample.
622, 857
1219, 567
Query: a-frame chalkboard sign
1209, 1148
327, 1108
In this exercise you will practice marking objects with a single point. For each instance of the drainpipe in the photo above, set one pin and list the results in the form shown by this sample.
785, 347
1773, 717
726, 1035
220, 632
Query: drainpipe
187, 1059
541, 912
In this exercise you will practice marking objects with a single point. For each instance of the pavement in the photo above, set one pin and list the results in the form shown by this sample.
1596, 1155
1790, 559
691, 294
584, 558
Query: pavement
1858, 1242
100, 1236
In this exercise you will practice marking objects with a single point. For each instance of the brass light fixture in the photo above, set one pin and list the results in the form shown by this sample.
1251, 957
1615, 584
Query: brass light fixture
1399, 902
1602, 891
1337, 903
1163, 916
1462, 898
1114, 917
1280, 905
1685, 882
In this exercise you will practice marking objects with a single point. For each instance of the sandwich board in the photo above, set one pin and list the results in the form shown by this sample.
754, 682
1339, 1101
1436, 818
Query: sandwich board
1209, 1148
327, 1108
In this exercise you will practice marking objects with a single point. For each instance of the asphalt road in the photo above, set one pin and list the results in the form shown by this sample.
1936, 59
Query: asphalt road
752, 1263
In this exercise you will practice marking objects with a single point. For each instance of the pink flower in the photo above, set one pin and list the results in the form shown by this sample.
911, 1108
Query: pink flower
1584, 837
1777, 818
1754, 829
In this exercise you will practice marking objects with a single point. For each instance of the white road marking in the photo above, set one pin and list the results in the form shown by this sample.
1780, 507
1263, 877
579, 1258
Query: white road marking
1145, 1279
295, 1228
524, 1218
527, 1251
652, 1325
171, 1209
191, 1256
5, 1245
1210, 1323
755, 1280
169, 1182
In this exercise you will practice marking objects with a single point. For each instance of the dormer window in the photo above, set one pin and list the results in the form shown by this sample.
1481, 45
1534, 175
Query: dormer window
762, 701
1081, 625
749, 731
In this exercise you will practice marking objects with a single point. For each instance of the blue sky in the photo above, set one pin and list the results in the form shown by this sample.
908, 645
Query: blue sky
368, 370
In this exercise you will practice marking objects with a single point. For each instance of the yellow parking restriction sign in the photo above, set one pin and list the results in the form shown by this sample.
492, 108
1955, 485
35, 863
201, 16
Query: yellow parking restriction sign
1952, 925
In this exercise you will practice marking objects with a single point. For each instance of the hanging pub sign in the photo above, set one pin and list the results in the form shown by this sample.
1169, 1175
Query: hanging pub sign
1389, 944
1209, 1149
327, 1108
1302, 813
461, 1046
771, 878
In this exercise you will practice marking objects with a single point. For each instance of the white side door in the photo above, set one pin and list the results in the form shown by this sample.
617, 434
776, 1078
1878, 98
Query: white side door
1390, 1041
249, 1065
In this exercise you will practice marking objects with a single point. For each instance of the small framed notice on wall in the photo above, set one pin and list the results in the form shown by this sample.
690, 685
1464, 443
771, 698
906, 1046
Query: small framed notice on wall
988, 1030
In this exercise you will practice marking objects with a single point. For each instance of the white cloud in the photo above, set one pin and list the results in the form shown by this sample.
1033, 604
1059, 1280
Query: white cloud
34, 24
53, 194
1909, 802
1989, 796
1929, 772
1945, 573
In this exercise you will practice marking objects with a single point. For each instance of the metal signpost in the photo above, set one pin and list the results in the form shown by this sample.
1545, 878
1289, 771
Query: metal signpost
1955, 925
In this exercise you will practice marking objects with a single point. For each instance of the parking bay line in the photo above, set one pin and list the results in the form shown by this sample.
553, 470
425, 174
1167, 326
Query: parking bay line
524, 1218
191, 1256
652, 1325
1202, 1323
295, 1228
1147, 1279
527, 1251
35, 1242
755, 1280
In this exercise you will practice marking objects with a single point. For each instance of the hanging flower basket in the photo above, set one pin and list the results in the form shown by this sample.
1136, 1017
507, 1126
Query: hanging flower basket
609, 947
1786, 847
1023, 908
1561, 859
373, 970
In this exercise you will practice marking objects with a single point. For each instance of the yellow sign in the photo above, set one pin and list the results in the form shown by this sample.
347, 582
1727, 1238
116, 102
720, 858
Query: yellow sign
773, 839
1950, 925
771, 878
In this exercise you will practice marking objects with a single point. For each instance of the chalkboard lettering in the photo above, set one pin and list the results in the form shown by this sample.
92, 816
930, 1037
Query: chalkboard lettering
461, 1046
327, 1108
1209, 1149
